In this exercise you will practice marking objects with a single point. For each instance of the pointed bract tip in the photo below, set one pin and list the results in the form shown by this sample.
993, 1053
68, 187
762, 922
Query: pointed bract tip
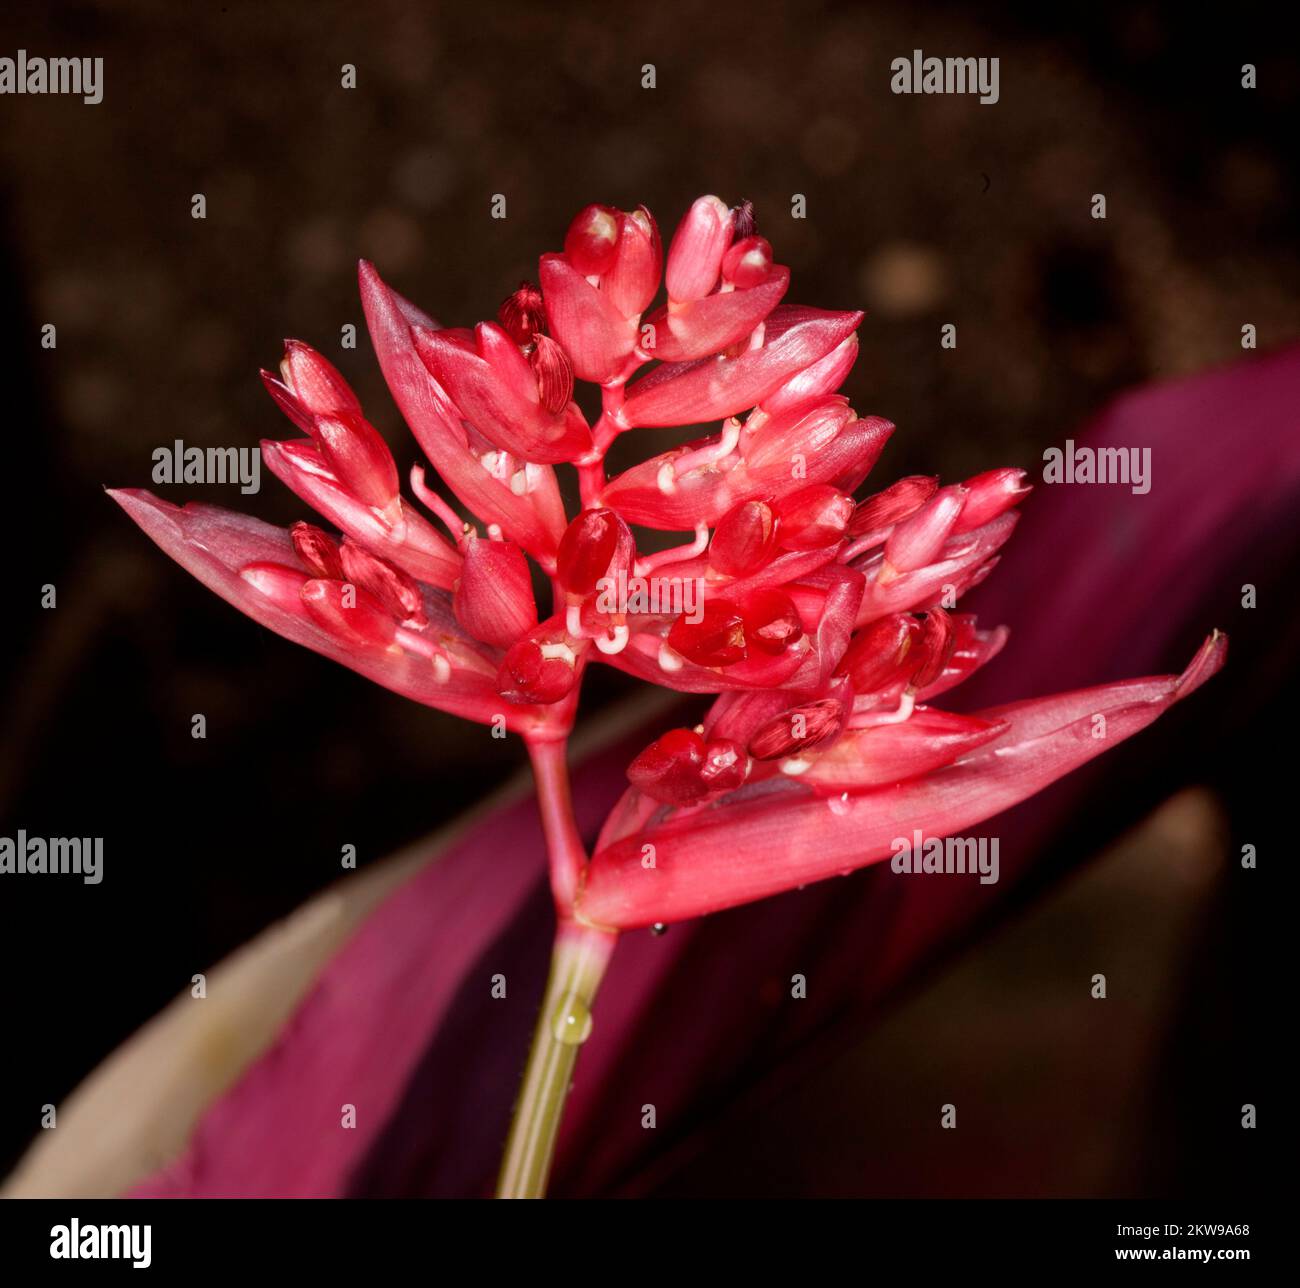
1208, 662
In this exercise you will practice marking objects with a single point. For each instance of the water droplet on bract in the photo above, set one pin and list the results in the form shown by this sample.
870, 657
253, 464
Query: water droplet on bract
659, 928
838, 804
572, 1021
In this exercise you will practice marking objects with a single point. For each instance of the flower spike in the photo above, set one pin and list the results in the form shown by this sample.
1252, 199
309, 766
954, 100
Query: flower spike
824, 627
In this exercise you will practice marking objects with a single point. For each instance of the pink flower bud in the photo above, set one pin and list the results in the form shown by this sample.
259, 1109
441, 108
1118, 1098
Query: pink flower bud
960, 564
726, 765
896, 502
592, 240
523, 314
493, 599
695, 256
989, 495
281, 585
878, 655
506, 364
817, 379
803, 431
352, 448
744, 540
593, 542
771, 621
691, 393
669, 769
315, 381
680, 768
972, 649
934, 646
717, 322
717, 639
654, 494
747, 263
357, 455
917, 539
350, 613
597, 337
892, 753
531, 515
814, 517
400, 533
797, 730
632, 280
542, 667
495, 389
318, 550
554, 374
389, 585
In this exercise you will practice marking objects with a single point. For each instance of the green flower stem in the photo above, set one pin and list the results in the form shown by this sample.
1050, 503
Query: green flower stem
578, 964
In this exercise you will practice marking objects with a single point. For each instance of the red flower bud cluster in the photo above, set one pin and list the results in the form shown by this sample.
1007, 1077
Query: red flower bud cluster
824, 625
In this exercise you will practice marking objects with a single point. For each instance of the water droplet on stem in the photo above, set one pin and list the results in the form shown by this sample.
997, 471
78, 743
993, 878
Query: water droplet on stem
572, 1024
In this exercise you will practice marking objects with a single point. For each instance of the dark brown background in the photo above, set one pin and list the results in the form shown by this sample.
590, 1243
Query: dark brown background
924, 210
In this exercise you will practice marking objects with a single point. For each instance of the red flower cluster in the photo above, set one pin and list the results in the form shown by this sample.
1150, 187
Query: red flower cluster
824, 624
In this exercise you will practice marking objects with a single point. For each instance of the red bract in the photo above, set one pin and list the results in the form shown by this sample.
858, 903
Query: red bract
801, 834
498, 393
255, 567
718, 293
711, 388
597, 289
823, 627
769, 456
